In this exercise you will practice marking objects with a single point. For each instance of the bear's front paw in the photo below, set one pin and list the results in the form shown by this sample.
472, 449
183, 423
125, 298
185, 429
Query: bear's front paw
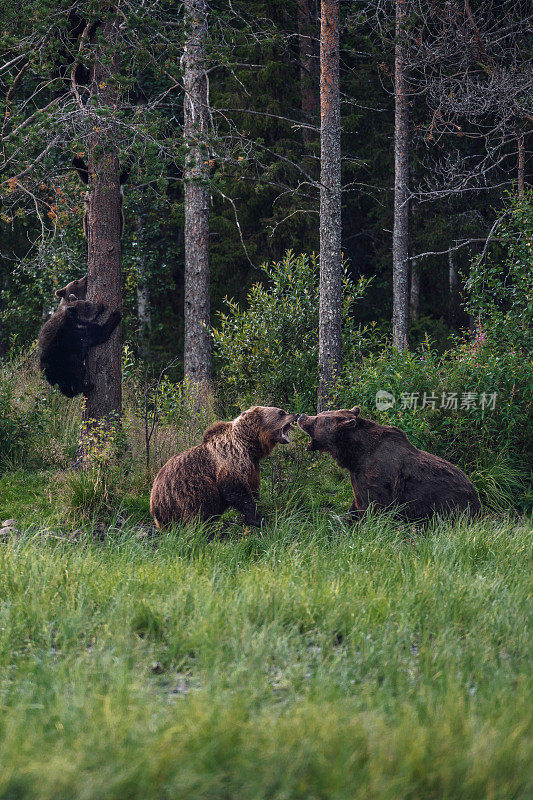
256, 522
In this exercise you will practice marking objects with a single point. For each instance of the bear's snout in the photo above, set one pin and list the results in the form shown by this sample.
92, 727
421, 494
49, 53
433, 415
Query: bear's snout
306, 423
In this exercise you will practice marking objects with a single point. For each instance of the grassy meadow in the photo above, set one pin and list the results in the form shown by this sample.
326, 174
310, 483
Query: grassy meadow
314, 659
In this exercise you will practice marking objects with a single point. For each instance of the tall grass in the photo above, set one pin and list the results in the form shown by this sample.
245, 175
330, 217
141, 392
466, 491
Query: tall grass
314, 660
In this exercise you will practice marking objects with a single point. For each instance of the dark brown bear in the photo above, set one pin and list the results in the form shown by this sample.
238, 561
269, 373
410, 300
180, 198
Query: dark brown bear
386, 469
65, 339
76, 290
223, 471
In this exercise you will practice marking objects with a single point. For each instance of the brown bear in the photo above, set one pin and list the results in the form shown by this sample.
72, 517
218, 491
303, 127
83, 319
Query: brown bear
386, 469
65, 339
75, 290
222, 471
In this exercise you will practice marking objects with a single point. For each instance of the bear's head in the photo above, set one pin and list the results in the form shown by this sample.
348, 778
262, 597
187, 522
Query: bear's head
78, 289
329, 427
263, 427
81, 311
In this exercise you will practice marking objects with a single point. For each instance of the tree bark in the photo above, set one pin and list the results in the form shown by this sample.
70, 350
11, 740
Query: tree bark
104, 222
400, 236
309, 45
144, 312
521, 169
415, 291
197, 352
330, 311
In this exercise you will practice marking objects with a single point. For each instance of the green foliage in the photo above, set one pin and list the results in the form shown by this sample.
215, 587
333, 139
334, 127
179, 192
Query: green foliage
475, 435
501, 288
38, 427
270, 348
268, 352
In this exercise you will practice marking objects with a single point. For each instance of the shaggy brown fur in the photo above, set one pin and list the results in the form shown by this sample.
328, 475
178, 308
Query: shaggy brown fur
75, 290
223, 471
65, 339
215, 430
386, 469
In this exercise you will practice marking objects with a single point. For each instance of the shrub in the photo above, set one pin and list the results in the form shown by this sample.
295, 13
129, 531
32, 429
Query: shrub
490, 431
38, 427
268, 352
270, 349
501, 286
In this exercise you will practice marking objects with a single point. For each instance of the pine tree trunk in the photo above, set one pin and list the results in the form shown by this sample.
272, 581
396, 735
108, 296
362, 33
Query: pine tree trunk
197, 352
415, 291
309, 45
400, 259
104, 220
330, 311
144, 312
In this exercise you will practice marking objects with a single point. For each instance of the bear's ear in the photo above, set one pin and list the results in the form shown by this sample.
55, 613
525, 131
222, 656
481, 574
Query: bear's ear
82, 169
125, 174
351, 422
61, 292
356, 410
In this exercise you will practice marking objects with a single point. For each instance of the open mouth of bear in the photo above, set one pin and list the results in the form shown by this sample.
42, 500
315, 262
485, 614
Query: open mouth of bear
284, 432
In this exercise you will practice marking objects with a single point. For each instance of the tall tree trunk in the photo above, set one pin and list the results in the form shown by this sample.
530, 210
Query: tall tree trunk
521, 170
330, 311
144, 312
453, 283
104, 223
400, 236
309, 64
197, 353
414, 300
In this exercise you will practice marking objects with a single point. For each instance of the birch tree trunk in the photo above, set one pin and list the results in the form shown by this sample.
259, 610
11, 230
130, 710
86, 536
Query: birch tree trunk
414, 300
144, 312
330, 311
197, 352
309, 46
400, 258
104, 222
521, 169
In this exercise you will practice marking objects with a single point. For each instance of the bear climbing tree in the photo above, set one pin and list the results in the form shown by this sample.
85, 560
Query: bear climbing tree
104, 228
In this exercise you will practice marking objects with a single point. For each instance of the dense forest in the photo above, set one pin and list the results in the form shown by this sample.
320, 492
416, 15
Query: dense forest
468, 94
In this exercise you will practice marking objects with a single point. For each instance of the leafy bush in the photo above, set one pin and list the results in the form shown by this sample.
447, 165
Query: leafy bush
270, 349
471, 405
501, 288
38, 426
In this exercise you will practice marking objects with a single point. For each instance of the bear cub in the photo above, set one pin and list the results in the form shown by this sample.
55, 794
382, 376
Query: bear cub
222, 471
386, 469
77, 288
66, 337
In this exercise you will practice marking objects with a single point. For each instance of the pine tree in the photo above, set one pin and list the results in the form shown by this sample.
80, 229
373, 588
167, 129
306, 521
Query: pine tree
330, 341
197, 353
